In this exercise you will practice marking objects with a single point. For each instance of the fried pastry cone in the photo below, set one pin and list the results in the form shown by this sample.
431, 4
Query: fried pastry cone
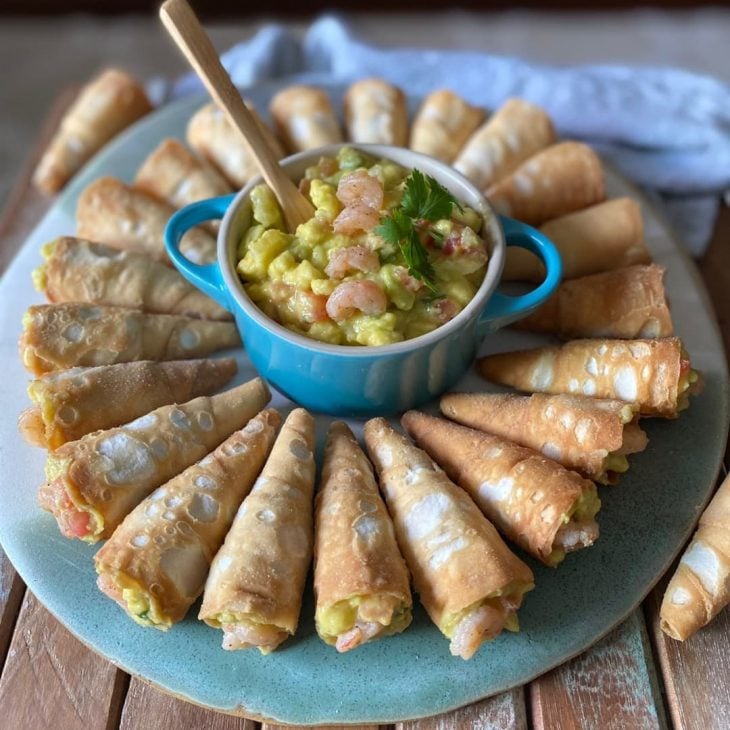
76, 270
603, 237
443, 124
515, 132
655, 374
103, 108
469, 581
213, 137
255, 586
172, 174
93, 483
588, 435
156, 562
361, 583
71, 403
304, 118
624, 303
562, 178
700, 587
376, 113
59, 336
535, 502
108, 211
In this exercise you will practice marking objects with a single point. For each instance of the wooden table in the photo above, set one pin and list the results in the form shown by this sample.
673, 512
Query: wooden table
635, 677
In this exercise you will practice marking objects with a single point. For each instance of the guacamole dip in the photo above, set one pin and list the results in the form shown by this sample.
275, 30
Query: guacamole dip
389, 255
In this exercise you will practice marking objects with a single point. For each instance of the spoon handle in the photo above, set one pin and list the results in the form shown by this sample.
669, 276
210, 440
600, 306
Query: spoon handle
184, 27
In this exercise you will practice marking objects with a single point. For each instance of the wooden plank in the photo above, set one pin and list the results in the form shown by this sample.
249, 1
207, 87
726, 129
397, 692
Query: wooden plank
147, 708
51, 679
611, 686
11, 596
696, 672
504, 711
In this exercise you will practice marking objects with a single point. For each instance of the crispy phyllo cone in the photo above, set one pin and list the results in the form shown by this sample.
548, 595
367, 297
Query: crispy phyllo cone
515, 132
625, 303
560, 179
304, 118
103, 108
376, 113
111, 212
76, 270
156, 562
700, 587
588, 435
606, 236
255, 586
213, 137
655, 374
59, 336
361, 583
535, 502
443, 124
71, 403
174, 175
469, 581
93, 483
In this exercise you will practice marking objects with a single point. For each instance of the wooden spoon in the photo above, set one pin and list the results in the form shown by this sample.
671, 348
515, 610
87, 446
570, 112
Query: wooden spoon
184, 27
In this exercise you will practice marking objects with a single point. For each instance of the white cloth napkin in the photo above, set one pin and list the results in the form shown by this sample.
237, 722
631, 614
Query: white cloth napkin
666, 129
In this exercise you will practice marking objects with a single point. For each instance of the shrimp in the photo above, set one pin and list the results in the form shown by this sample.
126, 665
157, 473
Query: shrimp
576, 535
72, 521
482, 624
354, 219
359, 634
409, 282
362, 196
109, 587
445, 310
359, 258
245, 636
360, 189
353, 295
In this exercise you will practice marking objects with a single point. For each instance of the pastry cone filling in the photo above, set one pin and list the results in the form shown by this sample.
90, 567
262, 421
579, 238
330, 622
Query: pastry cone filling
689, 382
244, 631
579, 528
32, 427
39, 275
484, 620
75, 518
350, 623
134, 599
634, 440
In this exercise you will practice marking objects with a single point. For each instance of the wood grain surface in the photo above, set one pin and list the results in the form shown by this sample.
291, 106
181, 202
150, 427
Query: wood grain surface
11, 596
50, 680
147, 708
611, 686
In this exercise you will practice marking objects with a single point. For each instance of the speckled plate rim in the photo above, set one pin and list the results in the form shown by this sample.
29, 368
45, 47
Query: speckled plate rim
22, 526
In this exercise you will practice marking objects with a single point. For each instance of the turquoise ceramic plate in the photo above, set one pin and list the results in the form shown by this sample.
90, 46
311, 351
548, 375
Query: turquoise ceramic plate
644, 522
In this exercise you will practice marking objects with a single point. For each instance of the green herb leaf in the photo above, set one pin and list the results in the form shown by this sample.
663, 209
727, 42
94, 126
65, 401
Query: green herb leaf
425, 197
419, 265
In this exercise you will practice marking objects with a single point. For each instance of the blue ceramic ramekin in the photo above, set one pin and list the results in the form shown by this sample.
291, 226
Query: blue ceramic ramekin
363, 381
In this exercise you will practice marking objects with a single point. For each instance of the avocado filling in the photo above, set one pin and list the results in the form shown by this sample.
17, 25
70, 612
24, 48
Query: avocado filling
579, 528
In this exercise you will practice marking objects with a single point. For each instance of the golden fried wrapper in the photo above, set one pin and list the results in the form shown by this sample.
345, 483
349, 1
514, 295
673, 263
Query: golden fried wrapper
156, 562
93, 483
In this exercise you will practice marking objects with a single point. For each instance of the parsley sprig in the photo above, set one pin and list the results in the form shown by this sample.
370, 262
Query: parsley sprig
424, 200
